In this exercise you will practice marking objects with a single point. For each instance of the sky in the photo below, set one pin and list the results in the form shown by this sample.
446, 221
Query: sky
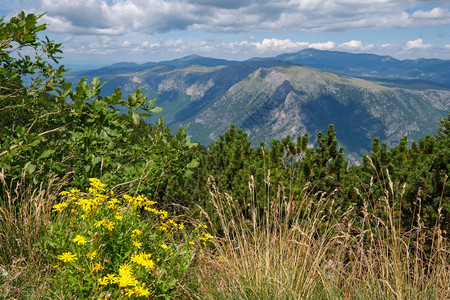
101, 32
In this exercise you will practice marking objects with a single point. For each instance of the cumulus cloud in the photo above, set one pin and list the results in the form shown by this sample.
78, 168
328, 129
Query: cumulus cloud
416, 44
105, 39
322, 46
355, 46
149, 16
275, 45
173, 46
264, 47
436, 12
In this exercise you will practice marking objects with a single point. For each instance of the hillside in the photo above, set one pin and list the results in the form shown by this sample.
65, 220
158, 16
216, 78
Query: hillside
270, 99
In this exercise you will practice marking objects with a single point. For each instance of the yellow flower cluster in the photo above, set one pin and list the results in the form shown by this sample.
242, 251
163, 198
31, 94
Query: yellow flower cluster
104, 217
106, 223
96, 186
58, 207
127, 280
143, 259
170, 225
139, 201
136, 233
90, 205
162, 213
205, 236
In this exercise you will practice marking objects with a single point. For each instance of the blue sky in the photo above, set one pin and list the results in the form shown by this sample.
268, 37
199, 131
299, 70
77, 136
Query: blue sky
97, 32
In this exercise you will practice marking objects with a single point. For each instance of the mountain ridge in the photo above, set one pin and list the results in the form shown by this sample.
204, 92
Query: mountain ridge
273, 98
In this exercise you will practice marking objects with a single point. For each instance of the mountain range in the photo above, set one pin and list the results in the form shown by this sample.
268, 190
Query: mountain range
363, 95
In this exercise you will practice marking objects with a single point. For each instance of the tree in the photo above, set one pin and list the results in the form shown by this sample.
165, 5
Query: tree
48, 128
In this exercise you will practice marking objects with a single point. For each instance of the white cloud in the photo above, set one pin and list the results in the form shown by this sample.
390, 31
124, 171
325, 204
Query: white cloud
105, 39
322, 46
416, 44
134, 21
432, 14
275, 45
68, 38
149, 16
265, 47
355, 46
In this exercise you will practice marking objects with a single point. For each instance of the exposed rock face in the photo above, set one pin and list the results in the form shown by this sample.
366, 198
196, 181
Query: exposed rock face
271, 99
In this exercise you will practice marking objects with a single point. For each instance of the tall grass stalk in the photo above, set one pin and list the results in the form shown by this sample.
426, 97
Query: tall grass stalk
308, 248
24, 212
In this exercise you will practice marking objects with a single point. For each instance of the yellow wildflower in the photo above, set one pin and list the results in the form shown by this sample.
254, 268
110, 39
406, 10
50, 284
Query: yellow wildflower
112, 278
79, 239
96, 267
100, 223
140, 291
137, 244
91, 255
118, 216
164, 246
113, 203
103, 281
136, 233
192, 243
110, 225
96, 186
163, 214
162, 228
126, 277
60, 206
205, 237
67, 257
143, 259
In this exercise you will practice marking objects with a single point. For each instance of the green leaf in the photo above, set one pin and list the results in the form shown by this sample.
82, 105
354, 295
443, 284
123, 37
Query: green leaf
193, 164
46, 154
31, 168
156, 110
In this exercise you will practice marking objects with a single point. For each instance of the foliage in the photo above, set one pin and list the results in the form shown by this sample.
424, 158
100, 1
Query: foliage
125, 247
424, 166
48, 128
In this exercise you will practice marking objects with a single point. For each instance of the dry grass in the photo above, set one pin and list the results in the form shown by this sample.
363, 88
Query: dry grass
306, 249
24, 212
298, 248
